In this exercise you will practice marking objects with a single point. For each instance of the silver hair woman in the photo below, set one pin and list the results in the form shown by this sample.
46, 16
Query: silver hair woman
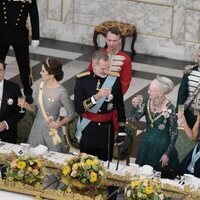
157, 145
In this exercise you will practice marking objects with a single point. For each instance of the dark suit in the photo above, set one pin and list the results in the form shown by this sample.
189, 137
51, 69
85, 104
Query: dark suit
13, 32
95, 136
9, 111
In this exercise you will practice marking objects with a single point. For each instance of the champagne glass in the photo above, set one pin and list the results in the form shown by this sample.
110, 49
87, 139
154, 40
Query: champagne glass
21, 100
180, 111
140, 97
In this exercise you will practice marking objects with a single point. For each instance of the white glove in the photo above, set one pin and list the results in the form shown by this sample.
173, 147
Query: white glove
35, 43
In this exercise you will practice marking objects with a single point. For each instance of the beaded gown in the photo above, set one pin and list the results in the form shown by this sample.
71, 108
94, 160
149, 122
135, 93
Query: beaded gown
53, 100
159, 137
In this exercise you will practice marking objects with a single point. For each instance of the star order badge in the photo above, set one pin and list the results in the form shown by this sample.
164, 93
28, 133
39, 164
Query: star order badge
110, 106
10, 101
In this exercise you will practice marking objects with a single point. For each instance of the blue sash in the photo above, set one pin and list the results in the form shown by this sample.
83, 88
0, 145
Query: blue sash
108, 83
195, 157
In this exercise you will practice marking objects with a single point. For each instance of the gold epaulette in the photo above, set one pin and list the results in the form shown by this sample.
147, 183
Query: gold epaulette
83, 74
114, 74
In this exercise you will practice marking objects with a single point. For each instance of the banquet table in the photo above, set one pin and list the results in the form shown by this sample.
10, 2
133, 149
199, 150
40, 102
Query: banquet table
120, 177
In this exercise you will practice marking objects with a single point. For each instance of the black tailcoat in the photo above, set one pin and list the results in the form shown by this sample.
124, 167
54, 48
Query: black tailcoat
9, 111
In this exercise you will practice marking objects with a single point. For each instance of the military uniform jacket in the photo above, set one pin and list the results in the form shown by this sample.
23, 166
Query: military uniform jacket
96, 133
13, 19
189, 83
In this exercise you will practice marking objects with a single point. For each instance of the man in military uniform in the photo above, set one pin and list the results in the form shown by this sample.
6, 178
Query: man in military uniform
189, 90
99, 102
13, 32
120, 61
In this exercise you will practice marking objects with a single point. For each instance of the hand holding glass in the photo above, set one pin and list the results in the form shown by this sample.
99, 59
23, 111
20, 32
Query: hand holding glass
21, 101
180, 112
140, 98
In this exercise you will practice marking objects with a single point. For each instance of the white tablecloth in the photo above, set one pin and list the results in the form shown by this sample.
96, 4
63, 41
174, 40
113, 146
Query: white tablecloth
14, 196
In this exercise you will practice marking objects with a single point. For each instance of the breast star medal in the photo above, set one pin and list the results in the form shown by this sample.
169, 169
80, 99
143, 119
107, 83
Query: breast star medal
110, 106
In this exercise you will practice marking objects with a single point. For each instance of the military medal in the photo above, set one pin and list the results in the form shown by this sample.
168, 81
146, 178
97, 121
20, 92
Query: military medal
110, 106
98, 85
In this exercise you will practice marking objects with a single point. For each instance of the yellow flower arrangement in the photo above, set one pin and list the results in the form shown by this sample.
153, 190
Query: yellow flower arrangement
145, 189
26, 169
84, 171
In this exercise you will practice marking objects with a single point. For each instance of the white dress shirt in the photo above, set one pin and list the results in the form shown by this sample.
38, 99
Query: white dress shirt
1, 92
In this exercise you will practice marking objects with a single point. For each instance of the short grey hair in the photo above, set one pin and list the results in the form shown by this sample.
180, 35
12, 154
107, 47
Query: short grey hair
166, 85
98, 55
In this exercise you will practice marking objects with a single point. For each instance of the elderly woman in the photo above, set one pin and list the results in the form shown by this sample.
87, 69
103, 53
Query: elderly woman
157, 145
49, 96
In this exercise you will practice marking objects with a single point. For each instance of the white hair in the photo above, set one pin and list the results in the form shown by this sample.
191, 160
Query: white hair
166, 85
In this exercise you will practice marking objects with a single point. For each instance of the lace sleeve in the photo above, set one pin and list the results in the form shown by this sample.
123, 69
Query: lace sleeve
172, 131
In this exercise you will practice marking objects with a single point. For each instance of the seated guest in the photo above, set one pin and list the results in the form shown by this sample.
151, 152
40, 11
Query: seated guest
191, 163
157, 145
49, 96
9, 110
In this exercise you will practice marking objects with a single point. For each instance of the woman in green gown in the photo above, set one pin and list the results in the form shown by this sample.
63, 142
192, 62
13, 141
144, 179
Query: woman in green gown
157, 145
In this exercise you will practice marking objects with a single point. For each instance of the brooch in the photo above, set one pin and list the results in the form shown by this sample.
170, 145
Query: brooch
10, 101
166, 113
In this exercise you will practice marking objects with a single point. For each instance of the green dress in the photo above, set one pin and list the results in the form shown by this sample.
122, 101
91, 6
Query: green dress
159, 137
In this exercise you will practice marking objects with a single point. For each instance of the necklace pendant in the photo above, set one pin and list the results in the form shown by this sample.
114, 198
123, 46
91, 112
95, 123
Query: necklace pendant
152, 125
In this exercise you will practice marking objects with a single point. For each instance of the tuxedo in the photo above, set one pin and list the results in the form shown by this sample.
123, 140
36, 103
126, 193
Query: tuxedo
9, 111
14, 32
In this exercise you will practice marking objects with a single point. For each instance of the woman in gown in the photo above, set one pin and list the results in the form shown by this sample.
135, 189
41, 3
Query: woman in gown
157, 145
49, 96
191, 163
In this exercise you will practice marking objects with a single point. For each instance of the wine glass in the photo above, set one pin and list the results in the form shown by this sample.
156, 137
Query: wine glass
21, 100
180, 112
140, 97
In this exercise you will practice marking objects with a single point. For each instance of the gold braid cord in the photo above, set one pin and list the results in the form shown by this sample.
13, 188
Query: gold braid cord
52, 132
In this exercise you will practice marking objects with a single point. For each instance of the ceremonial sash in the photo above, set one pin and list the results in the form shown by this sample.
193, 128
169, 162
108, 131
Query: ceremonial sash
108, 83
52, 131
195, 157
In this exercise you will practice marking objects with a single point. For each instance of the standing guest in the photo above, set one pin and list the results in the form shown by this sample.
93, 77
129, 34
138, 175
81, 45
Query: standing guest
99, 102
9, 110
157, 145
191, 163
190, 81
120, 61
49, 97
13, 20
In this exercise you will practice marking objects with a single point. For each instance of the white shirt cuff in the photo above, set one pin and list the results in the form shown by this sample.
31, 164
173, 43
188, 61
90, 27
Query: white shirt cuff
7, 127
93, 100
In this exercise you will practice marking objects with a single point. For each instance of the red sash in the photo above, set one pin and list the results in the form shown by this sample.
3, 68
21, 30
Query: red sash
96, 117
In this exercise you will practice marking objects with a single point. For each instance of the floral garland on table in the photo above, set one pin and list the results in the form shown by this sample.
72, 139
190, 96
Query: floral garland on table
84, 171
25, 169
145, 189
